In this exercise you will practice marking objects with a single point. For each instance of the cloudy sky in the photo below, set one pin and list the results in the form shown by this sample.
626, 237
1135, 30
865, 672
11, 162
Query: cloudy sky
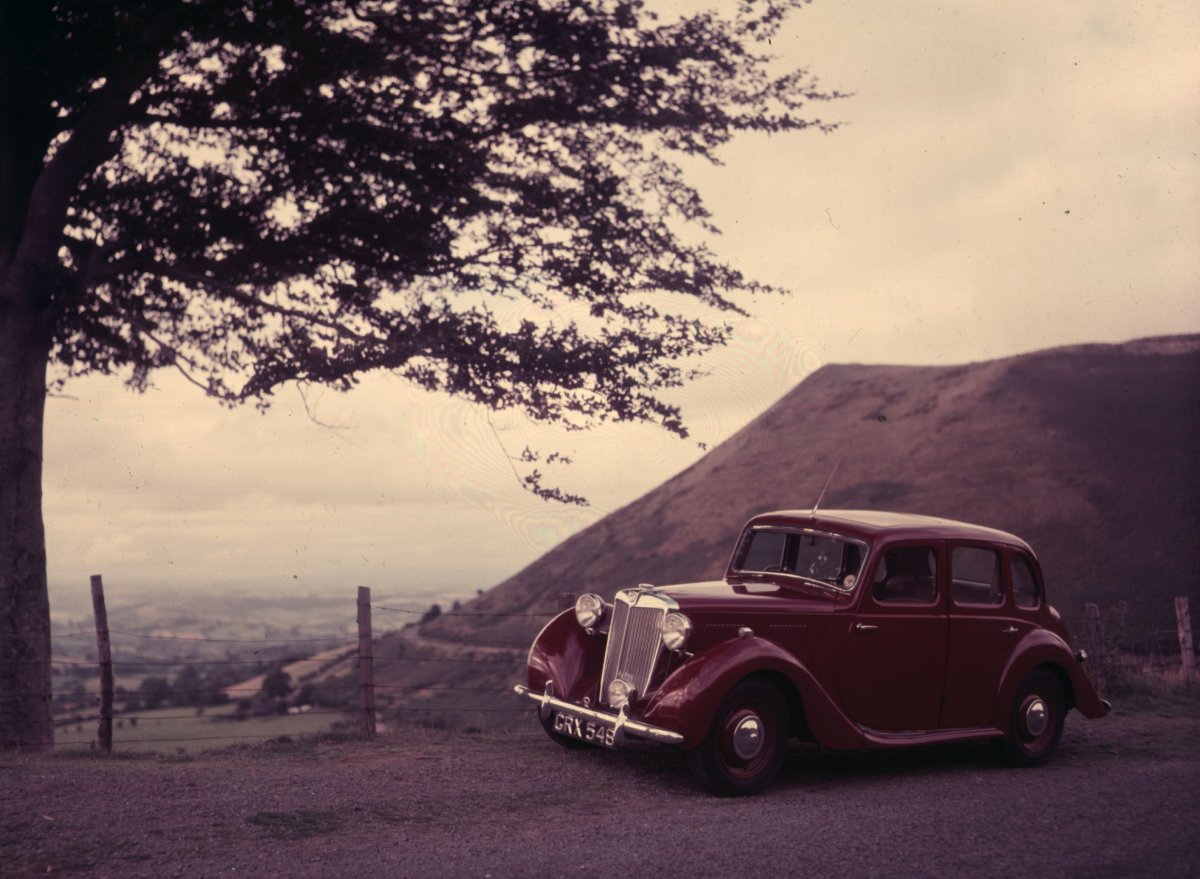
1010, 176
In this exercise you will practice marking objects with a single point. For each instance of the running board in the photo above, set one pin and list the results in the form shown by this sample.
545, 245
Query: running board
875, 738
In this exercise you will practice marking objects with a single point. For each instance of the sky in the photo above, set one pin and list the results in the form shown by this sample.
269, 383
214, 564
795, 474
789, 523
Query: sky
1007, 177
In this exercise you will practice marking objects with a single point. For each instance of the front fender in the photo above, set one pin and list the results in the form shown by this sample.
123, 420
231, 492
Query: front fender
1043, 647
689, 698
563, 652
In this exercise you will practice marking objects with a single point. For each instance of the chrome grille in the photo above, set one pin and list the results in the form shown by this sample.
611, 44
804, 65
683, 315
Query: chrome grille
634, 643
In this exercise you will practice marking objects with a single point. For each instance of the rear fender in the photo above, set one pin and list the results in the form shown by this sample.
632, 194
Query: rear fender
688, 699
563, 652
1042, 647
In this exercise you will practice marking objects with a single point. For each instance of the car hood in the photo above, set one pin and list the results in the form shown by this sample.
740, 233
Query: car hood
717, 595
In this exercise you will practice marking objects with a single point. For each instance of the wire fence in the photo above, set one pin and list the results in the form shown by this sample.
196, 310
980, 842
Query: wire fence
265, 688
279, 691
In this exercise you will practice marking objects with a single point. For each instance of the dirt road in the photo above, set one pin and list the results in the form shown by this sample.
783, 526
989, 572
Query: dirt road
1122, 798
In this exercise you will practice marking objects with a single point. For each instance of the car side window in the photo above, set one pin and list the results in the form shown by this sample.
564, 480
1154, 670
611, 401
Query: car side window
1024, 584
975, 575
906, 575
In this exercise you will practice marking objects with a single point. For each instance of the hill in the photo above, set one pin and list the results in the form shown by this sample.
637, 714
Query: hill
1089, 453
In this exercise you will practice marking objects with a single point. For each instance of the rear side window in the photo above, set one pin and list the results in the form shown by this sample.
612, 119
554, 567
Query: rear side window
976, 576
1024, 583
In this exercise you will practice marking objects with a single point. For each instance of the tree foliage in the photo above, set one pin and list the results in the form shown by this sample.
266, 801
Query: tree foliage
476, 195
481, 196
277, 685
155, 692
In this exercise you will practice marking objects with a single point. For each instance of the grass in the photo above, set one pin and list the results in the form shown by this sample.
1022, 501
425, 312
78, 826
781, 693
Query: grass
181, 731
1162, 692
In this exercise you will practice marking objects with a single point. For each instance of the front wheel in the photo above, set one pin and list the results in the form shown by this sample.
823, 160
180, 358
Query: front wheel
1037, 718
746, 743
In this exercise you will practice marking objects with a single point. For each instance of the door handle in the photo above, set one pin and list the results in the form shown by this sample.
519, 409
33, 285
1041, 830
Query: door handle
1008, 630
864, 627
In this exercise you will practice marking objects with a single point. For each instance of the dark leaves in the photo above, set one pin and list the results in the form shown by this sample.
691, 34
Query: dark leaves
478, 195
533, 483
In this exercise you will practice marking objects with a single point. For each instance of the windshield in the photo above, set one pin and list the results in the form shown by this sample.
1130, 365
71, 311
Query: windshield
816, 556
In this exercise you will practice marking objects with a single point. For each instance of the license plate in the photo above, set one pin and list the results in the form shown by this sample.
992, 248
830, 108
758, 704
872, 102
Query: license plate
585, 730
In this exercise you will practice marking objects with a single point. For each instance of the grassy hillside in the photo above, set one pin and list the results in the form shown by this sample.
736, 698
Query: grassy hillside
1089, 452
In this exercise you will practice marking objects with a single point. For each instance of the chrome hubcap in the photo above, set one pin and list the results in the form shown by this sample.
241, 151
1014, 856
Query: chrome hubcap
1036, 717
748, 737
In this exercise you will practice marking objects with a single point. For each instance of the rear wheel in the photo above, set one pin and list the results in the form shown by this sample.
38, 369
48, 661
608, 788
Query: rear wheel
746, 743
1036, 723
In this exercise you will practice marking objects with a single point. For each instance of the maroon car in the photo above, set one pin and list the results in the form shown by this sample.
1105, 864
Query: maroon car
850, 629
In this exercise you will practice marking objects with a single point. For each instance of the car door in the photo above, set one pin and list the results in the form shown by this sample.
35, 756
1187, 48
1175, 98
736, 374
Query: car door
892, 660
985, 626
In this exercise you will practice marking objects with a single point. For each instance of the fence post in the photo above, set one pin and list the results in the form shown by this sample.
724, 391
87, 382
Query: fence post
104, 652
1093, 643
1186, 648
366, 671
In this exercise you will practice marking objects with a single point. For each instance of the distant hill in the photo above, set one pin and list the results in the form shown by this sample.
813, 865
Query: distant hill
1090, 453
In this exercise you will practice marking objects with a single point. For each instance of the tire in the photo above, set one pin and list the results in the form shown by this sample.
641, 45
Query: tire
732, 760
1036, 722
569, 742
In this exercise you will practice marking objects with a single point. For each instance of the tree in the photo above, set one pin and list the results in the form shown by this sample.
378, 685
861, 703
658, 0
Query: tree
155, 691
277, 686
187, 687
306, 695
256, 192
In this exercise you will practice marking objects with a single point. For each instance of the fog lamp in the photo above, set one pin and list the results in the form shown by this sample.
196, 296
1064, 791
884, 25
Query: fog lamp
589, 609
620, 693
676, 628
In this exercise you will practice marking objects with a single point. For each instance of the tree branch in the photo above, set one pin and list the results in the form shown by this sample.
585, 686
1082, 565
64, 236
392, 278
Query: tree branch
190, 277
90, 145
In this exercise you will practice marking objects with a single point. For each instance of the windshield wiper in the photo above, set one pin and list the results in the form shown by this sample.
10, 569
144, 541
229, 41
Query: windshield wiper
811, 581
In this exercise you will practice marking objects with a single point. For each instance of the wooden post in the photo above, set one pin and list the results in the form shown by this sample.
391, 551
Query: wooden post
1186, 647
1093, 643
104, 652
366, 671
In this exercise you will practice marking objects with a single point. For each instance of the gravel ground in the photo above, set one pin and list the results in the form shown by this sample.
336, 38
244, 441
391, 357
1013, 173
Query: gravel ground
1121, 798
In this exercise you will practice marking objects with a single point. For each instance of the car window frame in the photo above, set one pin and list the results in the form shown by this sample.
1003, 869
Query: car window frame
789, 531
1035, 569
938, 546
1001, 558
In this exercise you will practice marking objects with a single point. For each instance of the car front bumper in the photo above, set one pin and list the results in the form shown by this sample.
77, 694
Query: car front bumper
623, 724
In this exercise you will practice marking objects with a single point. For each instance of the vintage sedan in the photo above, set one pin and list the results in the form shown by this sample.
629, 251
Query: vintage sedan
846, 628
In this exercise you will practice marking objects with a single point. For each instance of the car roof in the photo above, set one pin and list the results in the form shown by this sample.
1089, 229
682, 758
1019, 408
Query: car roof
897, 526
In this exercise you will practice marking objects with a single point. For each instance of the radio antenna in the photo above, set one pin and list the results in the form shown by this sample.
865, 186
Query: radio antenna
821, 496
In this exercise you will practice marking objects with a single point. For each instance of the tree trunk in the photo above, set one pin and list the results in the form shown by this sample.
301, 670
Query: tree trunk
25, 697
35, 191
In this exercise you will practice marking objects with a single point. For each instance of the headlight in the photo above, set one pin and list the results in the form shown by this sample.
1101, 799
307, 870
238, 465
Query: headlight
589, 609
676, 628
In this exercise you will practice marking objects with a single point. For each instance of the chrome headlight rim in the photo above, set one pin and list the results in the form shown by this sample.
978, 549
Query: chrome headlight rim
589, 610
620, 693
675, 631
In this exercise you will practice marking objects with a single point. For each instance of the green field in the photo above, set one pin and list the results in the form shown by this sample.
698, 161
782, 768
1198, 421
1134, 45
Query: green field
181, 730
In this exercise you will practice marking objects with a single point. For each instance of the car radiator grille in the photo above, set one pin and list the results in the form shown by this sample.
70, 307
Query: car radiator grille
634, 642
